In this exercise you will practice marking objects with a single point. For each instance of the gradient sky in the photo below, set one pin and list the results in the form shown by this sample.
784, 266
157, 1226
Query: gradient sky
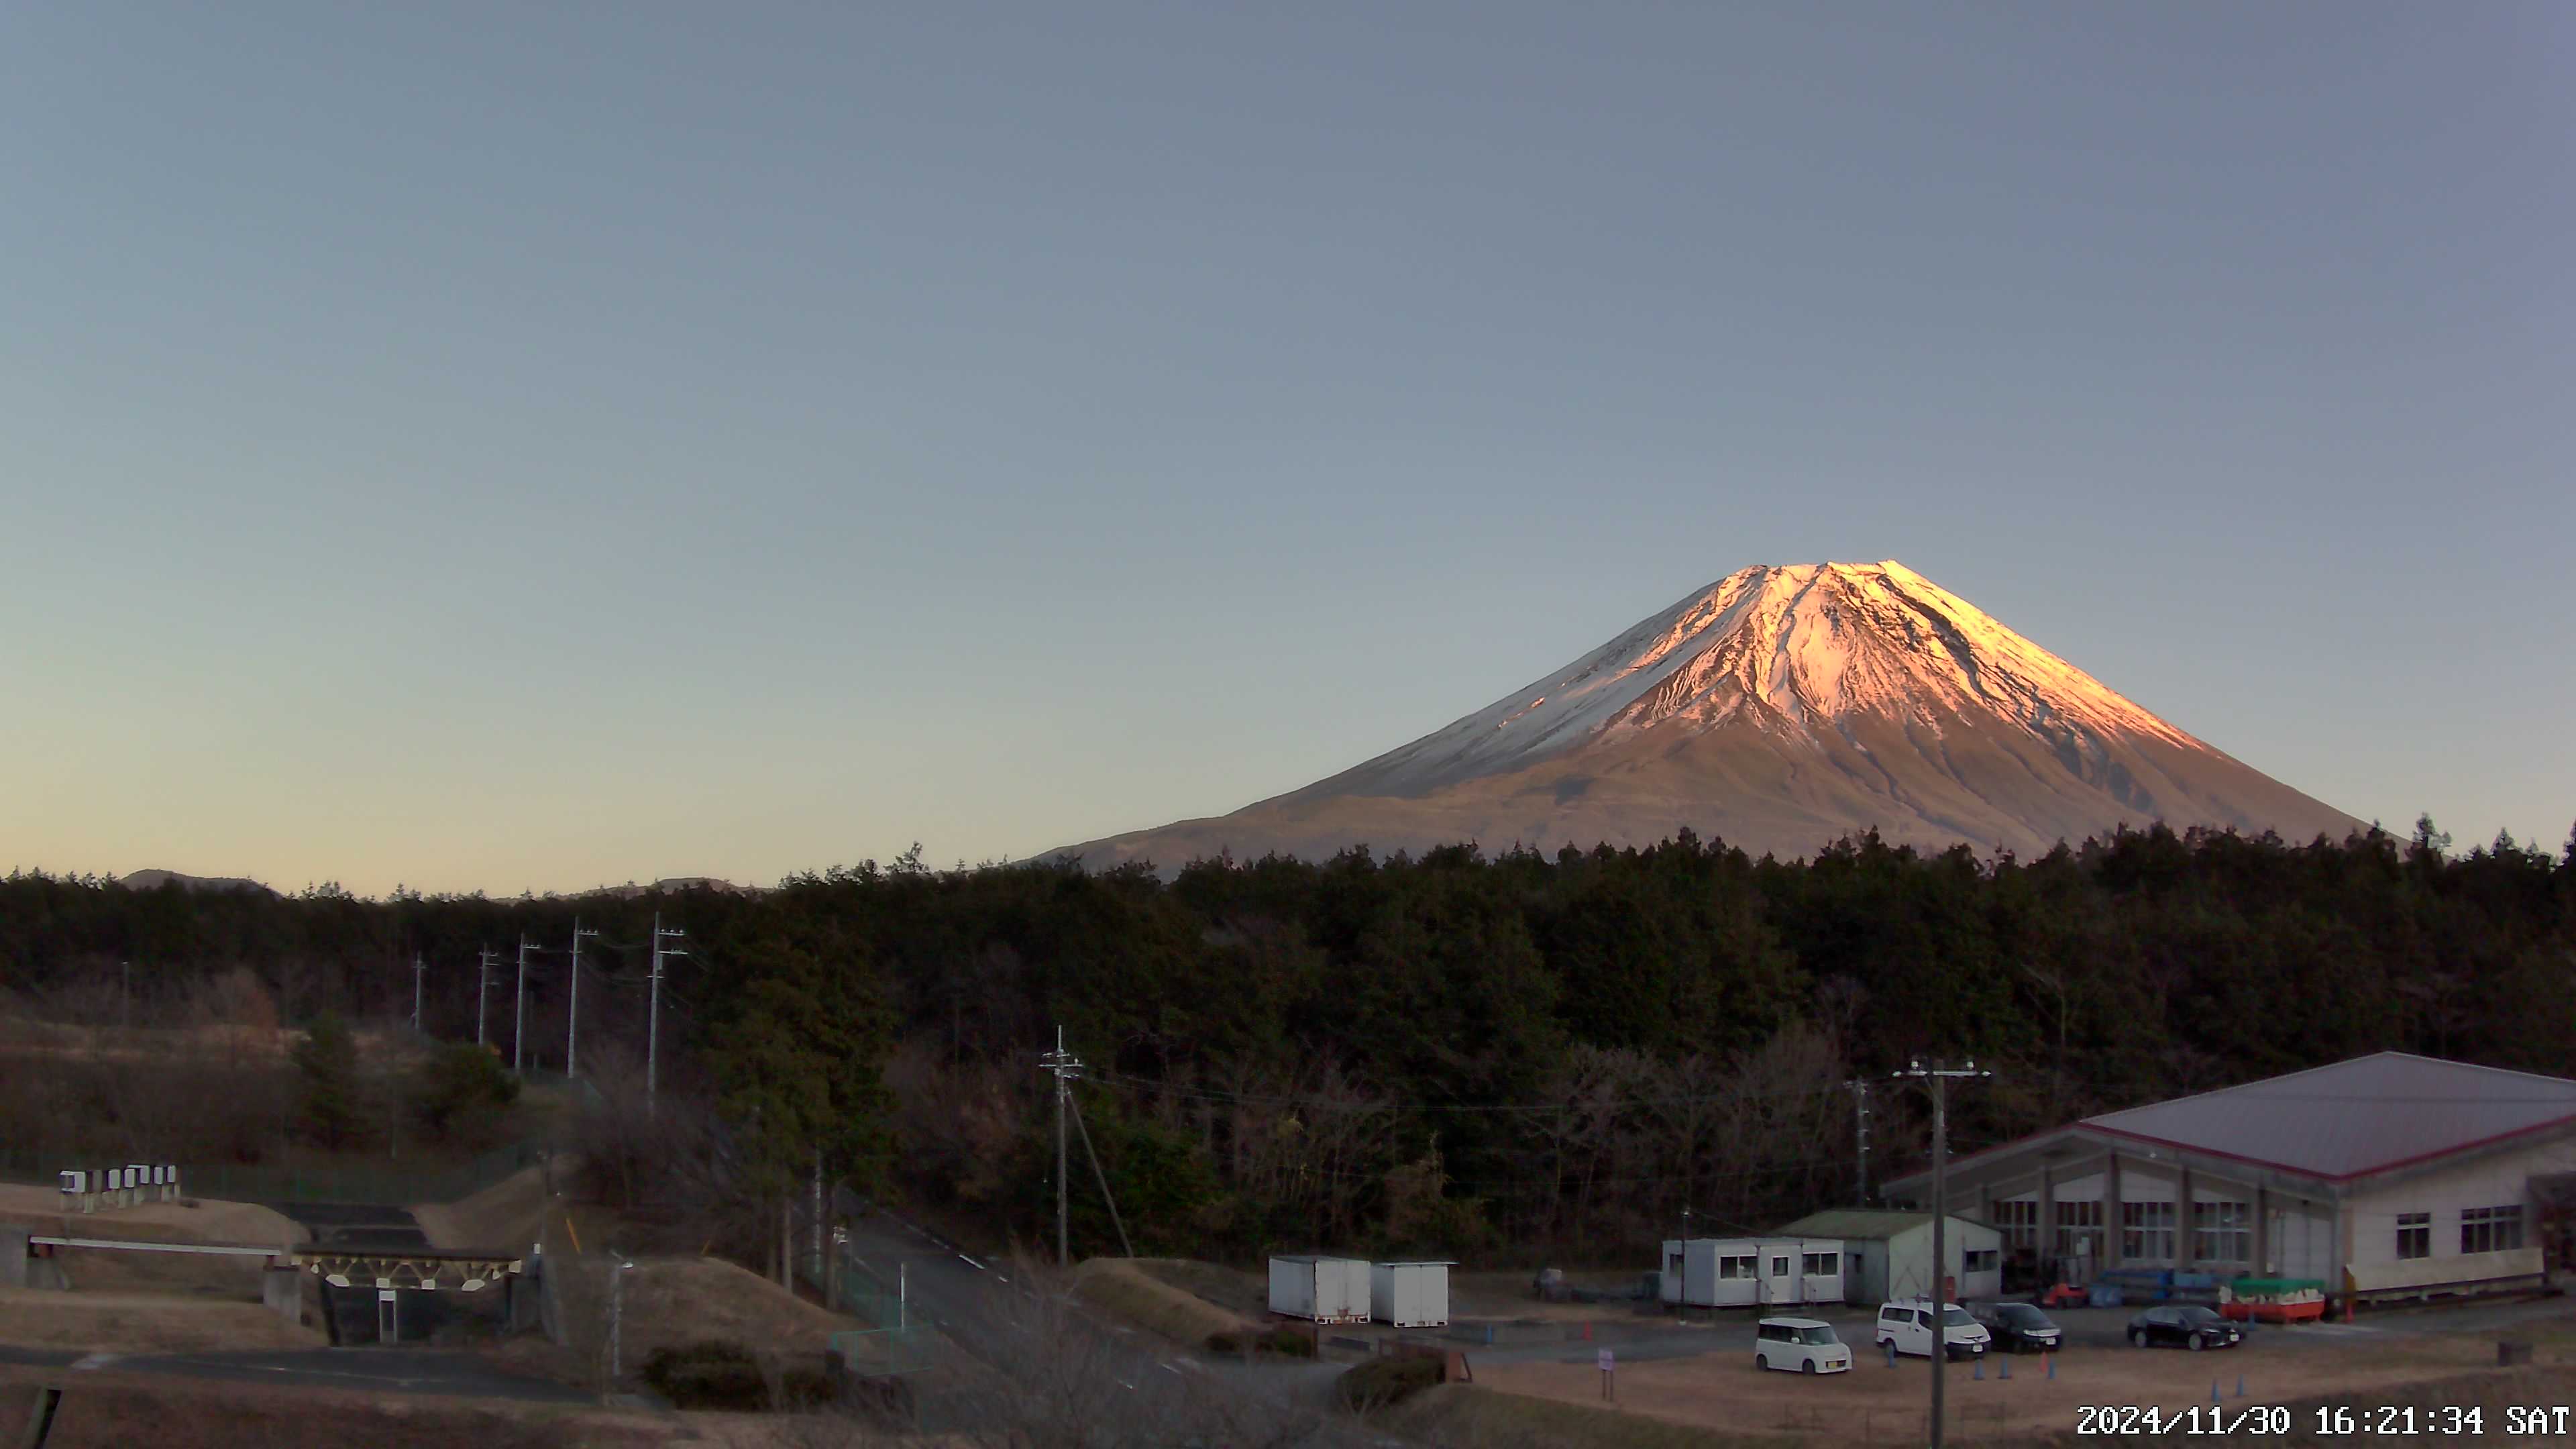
532, 446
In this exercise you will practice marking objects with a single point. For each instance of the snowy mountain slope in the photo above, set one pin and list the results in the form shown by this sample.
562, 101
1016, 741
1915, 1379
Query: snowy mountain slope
1779, 708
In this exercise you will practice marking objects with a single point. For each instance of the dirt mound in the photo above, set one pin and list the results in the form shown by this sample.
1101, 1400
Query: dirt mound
1124, 1287
508, 1215
141, 1323
111, 1270
193, 1220
672, 1302
1231, 1289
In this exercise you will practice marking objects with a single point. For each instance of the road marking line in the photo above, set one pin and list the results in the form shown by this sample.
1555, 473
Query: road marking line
971, 1263
96, 1361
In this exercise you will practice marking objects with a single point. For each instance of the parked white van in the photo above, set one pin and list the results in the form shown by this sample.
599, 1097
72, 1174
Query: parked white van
1801, 1345
1907, 1323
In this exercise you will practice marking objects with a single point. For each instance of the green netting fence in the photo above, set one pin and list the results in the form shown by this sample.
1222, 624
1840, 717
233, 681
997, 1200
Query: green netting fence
894, 1341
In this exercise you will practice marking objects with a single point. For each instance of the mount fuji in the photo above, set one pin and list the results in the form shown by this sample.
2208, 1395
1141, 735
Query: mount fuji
1779, 709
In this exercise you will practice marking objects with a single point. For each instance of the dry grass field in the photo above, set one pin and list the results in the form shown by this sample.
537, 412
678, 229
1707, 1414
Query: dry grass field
142, 1323
1138, 1292
1724, 1395
108, 1410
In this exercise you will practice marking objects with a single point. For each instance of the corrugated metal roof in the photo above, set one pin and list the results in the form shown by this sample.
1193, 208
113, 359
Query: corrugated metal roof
2355, 1117
1870, 1223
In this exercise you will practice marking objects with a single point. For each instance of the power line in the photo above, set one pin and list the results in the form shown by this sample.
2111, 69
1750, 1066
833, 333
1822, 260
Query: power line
1329, 1104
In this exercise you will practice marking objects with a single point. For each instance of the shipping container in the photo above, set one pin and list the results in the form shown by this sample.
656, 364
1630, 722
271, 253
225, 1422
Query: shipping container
1324, 1290
1410, 1295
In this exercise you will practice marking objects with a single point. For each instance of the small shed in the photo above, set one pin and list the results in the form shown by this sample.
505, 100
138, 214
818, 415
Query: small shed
1324, 1290
1749, 1272
1410, 1295
1888, 1254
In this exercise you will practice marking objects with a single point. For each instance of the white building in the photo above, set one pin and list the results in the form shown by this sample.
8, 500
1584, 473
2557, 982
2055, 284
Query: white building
1888, 1254
2386, 1176
1749, 1272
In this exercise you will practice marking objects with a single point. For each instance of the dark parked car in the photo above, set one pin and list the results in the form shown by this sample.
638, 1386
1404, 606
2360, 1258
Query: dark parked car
2017, 1327
2194, 1328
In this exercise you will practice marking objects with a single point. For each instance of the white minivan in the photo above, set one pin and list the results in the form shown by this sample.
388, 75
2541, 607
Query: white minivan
1907, 1323
1800, 1345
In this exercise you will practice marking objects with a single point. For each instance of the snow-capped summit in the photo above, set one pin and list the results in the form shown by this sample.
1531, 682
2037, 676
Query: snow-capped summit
1778, 708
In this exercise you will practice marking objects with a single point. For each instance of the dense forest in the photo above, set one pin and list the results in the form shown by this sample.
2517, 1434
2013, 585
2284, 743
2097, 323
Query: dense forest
1497, 1058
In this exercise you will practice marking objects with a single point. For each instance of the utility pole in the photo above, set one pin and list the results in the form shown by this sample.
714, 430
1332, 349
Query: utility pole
482, 990
519, 1018
1860, 1131
653, 1019
417, 968
572, 1027
1066, 1067
1939, 1076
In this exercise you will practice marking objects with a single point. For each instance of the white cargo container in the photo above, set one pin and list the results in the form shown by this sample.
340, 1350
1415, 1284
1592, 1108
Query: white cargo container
1410, 1295
1326, 1290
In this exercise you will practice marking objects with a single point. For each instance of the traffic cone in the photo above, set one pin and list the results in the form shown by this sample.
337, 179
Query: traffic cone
2051, 1361
2003, 1367
1980, 1372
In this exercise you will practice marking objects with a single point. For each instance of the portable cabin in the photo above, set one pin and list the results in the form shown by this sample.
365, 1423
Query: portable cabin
1325, 1290
1888, 1254
1410, 1295
1749, 1272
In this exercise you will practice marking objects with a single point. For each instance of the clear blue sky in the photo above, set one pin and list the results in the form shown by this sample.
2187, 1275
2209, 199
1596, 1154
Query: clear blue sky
532, 446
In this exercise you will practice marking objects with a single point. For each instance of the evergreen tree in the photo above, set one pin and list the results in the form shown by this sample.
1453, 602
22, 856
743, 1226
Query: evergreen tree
326, 1066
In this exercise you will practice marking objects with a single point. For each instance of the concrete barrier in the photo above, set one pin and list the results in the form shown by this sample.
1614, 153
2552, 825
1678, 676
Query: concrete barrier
281, 1291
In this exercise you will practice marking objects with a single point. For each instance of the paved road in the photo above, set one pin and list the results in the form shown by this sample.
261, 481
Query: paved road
377, 1370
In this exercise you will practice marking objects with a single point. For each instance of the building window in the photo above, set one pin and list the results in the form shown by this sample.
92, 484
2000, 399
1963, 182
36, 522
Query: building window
2489, 1230
2414, 1235
2222, 1232
1735, 1267
1823, 1265
1979, 1260
2147, 1232
2079, 1230
2020, 1223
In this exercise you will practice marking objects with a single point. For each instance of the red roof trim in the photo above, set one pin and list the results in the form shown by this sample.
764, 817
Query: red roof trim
2089, 1125
2535, 1127
2297, 1171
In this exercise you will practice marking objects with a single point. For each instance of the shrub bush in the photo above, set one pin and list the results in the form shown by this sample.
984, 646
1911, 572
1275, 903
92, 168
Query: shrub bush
1224, 1343
804, 1388
1290, 1342
714, 1374
1384, 1381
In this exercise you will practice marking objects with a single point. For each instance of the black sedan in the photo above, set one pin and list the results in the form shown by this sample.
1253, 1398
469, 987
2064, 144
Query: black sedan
2018, 1327
2193, 1327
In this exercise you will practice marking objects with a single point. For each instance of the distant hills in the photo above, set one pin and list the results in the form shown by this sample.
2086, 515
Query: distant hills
153, 880
1780, 708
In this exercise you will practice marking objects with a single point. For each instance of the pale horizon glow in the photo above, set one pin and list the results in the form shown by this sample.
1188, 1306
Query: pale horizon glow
506, 448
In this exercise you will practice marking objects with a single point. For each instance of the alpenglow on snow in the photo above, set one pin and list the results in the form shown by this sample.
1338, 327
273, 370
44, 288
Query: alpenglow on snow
1778, 709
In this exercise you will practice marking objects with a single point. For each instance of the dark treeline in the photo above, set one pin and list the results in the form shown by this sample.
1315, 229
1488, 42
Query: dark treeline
1498, 1057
